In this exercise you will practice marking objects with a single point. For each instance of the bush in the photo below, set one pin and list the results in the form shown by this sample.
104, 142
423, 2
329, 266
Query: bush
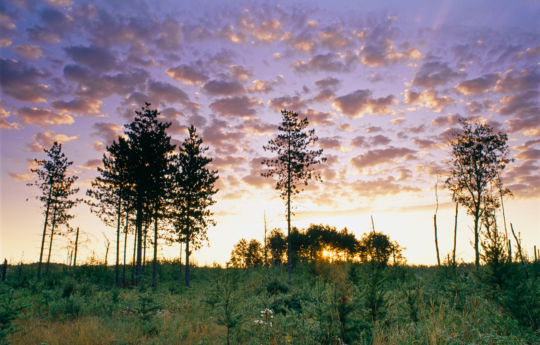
275, 287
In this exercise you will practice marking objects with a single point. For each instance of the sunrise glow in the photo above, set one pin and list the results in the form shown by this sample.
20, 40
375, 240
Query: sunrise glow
381, 83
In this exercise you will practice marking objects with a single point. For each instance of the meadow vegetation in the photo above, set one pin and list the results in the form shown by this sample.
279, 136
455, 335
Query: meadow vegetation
328, 303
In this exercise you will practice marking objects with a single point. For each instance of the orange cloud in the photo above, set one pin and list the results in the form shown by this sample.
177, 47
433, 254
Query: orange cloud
43, 140
187, 74
43, 117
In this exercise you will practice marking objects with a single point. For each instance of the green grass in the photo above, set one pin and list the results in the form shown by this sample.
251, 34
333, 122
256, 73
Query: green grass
327, 304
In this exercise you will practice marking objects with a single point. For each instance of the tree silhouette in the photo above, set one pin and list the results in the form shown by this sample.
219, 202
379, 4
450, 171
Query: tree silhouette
295, 163
376, 247
192, 193
148, 158
56, 189
479, 154
109, 191
277, 244
247, 254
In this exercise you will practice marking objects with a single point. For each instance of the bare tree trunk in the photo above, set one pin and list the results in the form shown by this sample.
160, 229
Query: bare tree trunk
476, 229
435, 227
455, 236
135, 246
266, 251
117, 268
144, 249
51, 241
187, 260
289, 264
154, 266
504, 218
125, 247
180, 259
44, 231
107, 246
519, 251
75, 252
139, 240
436, 240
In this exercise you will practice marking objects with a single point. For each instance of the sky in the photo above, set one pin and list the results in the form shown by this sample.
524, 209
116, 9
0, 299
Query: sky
383, 83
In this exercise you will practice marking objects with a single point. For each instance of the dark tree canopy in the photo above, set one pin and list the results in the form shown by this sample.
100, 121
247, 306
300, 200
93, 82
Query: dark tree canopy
111, 185
277, 245
148, 164
479, 155
295, 160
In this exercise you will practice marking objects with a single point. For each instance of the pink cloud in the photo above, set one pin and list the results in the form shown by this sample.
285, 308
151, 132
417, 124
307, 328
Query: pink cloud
223, 88
359, 102
43, 117
382, 156
241, 106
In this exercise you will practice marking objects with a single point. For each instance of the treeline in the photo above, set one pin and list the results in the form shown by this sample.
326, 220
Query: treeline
317, 243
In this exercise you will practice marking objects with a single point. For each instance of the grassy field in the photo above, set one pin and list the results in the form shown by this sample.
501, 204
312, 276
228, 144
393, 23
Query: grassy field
327, 304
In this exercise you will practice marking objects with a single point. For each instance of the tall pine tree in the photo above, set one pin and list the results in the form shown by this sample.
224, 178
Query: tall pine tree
294, 164
193, 194
110, 191
56, 192
148, 164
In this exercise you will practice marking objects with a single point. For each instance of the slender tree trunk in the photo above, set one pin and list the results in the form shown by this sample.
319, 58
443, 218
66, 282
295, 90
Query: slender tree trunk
117, 268
125, 247
519, 251
75, 253
476, 229
53, 224
266, 251
187, 260
435, 227
455, 236
144, 248
139, 244
108, 245
44, 231
436, 240
180, 259
154, 266
289, 163
134, 256
289, 264
504, 216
